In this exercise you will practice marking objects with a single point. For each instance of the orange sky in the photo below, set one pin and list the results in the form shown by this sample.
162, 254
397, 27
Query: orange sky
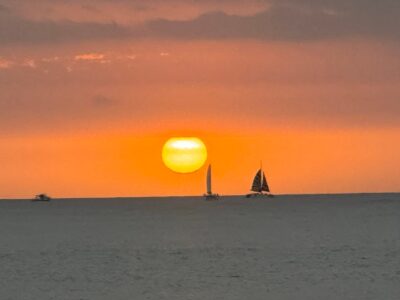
296, 161
88, 115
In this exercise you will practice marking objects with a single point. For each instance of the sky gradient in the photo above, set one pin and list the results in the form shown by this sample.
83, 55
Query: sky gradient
90, 91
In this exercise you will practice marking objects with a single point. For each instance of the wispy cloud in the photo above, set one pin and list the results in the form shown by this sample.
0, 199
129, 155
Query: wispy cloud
66, 61
29, 63
90, 57
50, 59
5, 64
130, 57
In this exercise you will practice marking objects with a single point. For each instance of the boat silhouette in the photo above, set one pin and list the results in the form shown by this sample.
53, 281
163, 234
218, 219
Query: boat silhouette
41, 198
260, 185
210, 195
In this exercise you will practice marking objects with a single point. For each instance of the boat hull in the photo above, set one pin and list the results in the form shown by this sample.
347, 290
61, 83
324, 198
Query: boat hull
41, 198
210, 197
255, 195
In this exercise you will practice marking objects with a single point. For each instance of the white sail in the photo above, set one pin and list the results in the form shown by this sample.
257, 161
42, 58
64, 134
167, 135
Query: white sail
209, 180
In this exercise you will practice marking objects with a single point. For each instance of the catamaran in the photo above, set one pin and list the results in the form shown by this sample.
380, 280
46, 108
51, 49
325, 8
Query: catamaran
209, 195
260, 185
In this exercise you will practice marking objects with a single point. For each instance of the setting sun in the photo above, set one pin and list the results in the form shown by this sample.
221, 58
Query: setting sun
184, 154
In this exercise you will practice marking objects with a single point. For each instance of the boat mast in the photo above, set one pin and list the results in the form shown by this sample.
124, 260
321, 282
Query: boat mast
209, 191
262, 176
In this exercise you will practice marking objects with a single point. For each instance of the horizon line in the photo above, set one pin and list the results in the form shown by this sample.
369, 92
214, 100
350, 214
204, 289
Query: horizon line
201, 196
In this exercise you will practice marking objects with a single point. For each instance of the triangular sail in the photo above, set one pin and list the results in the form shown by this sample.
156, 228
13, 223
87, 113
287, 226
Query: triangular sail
209, 180
256, 186
265, 186
260, 184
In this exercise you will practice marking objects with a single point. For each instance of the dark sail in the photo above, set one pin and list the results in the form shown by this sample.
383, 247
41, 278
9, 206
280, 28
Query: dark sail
259, 185
265, 186
256, 187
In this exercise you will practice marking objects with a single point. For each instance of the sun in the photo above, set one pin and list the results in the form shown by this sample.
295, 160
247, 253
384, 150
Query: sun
184, 154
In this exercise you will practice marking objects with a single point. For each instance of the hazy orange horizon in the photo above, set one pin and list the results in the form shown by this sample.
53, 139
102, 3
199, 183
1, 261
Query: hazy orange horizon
115, 165
90, 91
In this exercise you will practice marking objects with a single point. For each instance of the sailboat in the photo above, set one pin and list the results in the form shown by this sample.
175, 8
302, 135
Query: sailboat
260, 185
209, 195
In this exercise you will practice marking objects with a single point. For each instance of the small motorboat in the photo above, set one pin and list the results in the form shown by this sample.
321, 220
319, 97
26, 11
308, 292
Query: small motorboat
41, 198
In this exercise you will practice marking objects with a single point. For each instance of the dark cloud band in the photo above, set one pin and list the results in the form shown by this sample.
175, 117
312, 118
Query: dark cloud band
287, 20
293, 20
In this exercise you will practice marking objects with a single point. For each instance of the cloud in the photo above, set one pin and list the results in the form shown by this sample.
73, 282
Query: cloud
283, 20
3, 8
15, 29
130, 57
50, 59
292, 20
90, 57
30, 63
5, 64
103, 101
90, 8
